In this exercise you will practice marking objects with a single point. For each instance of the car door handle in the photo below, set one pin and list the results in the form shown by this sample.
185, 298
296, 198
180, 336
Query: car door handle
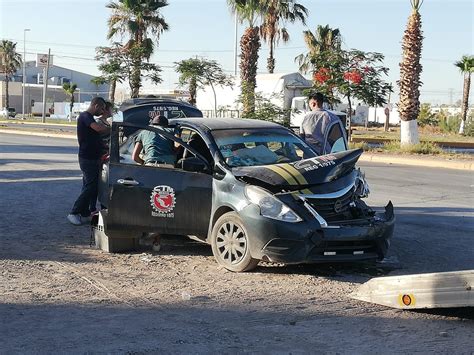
127, 182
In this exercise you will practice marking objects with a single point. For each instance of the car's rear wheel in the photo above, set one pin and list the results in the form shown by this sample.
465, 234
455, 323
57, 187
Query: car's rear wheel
230, 243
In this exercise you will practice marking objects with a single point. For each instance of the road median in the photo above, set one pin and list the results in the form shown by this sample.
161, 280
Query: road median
411, 160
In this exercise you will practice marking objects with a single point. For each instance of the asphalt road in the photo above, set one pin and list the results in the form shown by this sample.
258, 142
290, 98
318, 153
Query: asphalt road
434, 207
56, 293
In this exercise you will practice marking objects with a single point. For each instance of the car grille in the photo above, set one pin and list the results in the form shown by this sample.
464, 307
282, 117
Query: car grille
332, 208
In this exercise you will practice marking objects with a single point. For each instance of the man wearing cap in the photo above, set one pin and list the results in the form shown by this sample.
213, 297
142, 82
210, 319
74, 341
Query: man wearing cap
154, 148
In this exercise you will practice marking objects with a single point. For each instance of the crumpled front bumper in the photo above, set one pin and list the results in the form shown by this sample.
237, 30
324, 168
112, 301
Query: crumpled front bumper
308, 242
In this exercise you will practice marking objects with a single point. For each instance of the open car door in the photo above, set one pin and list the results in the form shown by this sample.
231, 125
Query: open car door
160, 199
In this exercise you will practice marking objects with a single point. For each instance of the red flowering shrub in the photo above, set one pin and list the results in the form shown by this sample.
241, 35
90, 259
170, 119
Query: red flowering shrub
354, 76
321, 76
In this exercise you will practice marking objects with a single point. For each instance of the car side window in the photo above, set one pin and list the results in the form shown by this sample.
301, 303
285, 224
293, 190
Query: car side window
149, 148
194, 140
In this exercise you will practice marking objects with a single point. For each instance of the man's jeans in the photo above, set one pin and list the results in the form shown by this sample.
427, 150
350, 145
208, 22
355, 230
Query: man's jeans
85, 203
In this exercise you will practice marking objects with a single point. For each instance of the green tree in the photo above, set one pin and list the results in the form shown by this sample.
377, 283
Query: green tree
197, 73
70, 89
112, 66
249, 12
276, 15
10, 62
466, 66
352, 74
143, 23
426, 117
410, 71
324, 40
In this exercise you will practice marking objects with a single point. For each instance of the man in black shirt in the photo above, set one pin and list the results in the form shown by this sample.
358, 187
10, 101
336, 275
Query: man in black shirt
90, 147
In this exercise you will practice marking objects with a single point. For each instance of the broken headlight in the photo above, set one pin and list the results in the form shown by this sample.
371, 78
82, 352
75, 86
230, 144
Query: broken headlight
361, 186
270, 206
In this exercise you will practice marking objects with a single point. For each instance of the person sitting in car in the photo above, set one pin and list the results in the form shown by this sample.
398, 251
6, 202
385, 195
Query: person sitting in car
152, 148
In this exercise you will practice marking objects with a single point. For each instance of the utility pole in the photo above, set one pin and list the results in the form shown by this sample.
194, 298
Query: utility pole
235, 44
24, 74
45, 86
451, 94
387, 112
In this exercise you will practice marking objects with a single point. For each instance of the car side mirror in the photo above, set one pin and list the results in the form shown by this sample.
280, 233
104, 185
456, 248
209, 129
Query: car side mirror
193, 164
218, 172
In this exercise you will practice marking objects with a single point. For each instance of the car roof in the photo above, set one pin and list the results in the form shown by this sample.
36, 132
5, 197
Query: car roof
137, 102
225, 123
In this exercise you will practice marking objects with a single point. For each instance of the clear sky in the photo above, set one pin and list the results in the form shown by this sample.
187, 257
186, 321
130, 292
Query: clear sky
72, 29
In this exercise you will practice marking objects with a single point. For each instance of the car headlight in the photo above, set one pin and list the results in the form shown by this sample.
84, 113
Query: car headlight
361, 186
270, 206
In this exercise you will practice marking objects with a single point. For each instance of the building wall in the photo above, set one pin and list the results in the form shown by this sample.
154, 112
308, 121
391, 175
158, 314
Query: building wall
33, 94
57, 75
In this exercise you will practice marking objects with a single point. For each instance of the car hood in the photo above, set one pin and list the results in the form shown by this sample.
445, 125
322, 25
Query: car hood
300, 174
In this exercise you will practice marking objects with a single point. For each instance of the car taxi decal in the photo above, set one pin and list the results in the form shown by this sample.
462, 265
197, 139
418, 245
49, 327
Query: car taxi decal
298, 176
283, 173
163, 201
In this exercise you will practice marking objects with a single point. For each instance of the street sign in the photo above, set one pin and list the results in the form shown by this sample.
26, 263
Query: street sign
42, 60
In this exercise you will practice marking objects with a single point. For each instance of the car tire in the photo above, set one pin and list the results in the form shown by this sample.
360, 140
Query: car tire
230, 244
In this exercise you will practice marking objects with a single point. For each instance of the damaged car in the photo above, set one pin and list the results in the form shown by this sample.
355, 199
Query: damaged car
253, 190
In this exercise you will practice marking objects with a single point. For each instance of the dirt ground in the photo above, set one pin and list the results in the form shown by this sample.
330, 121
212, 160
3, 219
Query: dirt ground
59, 294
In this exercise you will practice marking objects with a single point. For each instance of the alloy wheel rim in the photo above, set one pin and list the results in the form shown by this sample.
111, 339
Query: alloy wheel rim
231, 243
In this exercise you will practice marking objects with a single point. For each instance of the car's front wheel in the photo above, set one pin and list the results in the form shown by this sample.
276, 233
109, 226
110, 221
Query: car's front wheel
230, 243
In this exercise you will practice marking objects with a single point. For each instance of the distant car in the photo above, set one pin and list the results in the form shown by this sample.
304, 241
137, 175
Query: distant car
251, 189
8, 112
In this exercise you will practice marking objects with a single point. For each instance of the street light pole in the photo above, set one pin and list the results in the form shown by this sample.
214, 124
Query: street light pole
24, 73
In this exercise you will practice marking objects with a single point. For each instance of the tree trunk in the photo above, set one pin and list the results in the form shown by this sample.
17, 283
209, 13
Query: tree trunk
215, 98
249, 45
465, 101
7, 95
135, 80
271, 60
410, 70
349, 118
112, 87
409, 133
71, 107
192, 91
387, 119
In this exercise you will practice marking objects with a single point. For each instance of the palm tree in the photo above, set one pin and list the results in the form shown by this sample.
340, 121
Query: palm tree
248, 11
410, 70
10, 62
466, 66
143, 23
272, 30
324, 39
70, 88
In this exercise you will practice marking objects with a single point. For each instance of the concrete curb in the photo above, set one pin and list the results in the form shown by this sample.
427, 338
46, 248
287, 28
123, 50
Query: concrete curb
418, 161
39, 134
366, 157
20, 122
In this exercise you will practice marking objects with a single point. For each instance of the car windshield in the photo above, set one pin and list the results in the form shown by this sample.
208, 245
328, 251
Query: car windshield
249, 147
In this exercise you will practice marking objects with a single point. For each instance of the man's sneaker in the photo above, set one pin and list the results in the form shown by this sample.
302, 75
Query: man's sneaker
74, 219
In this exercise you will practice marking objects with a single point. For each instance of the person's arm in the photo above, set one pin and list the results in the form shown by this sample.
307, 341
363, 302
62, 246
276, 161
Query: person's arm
136, 153
100, 127
302, 134
104, 118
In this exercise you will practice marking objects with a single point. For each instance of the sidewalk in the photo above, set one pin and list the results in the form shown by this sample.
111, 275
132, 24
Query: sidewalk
401, 159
